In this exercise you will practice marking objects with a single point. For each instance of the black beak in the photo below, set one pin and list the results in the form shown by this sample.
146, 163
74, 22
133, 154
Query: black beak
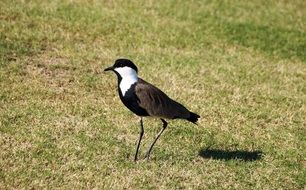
109, 69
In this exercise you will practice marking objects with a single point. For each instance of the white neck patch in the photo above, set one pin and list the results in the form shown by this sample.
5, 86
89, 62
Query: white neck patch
129, 77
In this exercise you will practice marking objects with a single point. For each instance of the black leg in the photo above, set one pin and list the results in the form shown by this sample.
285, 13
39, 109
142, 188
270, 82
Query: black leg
156, 138
140, 137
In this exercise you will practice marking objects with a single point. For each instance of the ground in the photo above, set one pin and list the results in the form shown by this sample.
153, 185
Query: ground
241, 65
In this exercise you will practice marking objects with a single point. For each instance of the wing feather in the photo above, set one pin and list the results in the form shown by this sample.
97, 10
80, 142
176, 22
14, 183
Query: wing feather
157, 103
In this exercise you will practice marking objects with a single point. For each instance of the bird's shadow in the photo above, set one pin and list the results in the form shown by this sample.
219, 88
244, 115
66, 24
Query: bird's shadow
227, 155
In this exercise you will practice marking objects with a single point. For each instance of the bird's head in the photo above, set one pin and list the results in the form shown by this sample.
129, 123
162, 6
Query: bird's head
123, 68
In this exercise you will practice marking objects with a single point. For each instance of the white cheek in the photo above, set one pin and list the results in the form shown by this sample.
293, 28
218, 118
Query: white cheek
129, 77
126, 71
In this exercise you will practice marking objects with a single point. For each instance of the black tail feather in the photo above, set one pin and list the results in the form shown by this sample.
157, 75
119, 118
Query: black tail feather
193, 117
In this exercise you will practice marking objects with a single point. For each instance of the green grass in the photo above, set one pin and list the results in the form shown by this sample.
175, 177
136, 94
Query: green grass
241, 65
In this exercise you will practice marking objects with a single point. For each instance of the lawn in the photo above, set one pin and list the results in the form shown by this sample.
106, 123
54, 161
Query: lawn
241, 65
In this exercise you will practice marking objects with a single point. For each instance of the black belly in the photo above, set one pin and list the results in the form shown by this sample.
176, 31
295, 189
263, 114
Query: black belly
130, 100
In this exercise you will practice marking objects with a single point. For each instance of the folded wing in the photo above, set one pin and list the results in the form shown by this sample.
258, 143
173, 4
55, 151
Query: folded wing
157, 103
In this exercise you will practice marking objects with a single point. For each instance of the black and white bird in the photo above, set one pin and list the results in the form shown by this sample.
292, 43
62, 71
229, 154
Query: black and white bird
144, 99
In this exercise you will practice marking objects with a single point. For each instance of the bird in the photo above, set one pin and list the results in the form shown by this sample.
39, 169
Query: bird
146, 100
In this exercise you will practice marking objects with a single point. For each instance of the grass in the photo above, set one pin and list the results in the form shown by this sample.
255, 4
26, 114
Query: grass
239, 64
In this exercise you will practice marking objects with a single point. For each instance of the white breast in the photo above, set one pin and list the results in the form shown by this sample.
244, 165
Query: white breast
129, 77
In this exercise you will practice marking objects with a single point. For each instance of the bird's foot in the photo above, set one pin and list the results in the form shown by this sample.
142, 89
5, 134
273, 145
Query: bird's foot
147, 156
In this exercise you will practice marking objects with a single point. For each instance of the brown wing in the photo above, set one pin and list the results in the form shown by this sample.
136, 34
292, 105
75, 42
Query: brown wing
157, 103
